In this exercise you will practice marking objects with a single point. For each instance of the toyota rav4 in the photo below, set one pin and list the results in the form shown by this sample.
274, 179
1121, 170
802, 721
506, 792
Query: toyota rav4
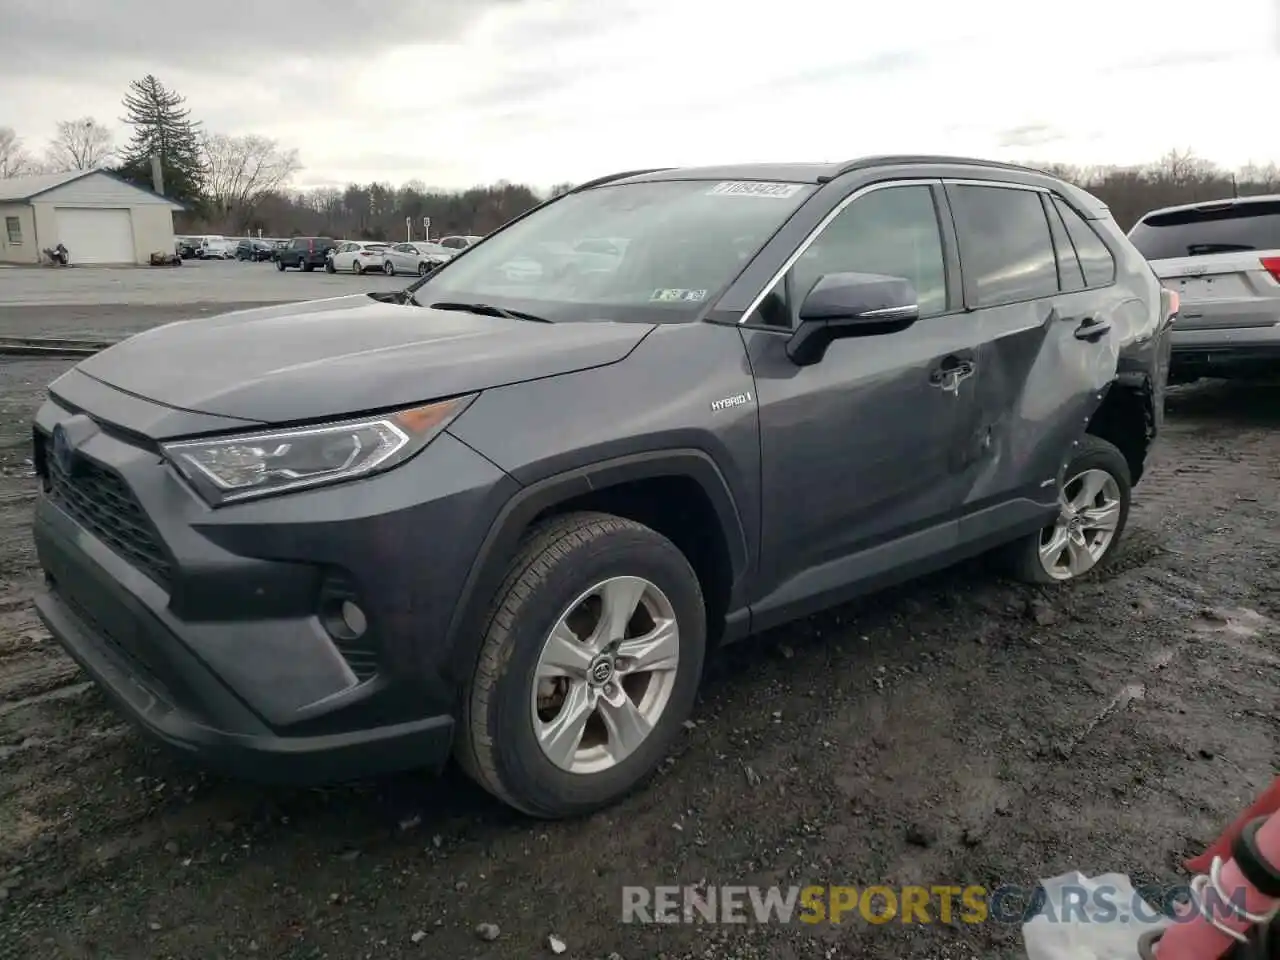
505, 513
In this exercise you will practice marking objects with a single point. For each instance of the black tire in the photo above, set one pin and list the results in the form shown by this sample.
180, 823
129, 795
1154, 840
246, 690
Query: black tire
1021, 559
280, 265
557, 561
388, 268
329, 267
306, 265
423, 269
355, 268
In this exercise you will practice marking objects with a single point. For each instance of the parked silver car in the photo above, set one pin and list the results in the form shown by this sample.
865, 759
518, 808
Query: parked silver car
417, 256
1222, 258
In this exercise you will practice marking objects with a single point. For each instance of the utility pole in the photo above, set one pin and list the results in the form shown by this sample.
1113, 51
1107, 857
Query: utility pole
408, 229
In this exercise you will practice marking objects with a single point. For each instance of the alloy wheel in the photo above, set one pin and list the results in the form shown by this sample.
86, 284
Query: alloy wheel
605, 675
1088, 515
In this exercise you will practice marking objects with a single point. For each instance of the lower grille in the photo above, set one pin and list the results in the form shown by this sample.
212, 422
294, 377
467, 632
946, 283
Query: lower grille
99, 500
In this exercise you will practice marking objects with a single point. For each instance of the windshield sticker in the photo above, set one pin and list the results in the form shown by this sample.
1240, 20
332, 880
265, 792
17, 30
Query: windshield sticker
678, 296
754, 188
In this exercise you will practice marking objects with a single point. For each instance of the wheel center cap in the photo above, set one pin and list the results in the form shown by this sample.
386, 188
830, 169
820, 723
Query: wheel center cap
601, 671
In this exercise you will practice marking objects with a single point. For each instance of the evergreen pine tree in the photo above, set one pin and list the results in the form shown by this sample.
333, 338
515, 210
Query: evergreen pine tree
162, 125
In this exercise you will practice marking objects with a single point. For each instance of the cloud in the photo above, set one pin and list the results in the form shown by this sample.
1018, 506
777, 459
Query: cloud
456, 92
76, 37
1029, 135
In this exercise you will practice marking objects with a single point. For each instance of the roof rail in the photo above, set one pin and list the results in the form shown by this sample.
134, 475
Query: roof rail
599, 181
864, 162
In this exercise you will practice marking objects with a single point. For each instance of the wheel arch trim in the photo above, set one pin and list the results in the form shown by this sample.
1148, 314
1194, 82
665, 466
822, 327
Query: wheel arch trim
487, 567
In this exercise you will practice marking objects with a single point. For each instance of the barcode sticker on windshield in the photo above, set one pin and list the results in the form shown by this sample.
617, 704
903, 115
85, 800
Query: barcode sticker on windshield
754, 188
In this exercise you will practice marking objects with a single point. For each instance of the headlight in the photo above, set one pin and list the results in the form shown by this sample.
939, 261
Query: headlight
249, 465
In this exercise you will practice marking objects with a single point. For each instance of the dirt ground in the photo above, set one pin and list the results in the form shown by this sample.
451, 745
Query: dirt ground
962, 730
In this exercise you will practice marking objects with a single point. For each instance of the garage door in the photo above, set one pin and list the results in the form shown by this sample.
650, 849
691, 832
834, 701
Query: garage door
96, 235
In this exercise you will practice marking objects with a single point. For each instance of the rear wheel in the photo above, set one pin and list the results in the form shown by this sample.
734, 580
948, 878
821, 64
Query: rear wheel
1092, 513
306, 265
589, 667
280, 265
388, 268
329, 267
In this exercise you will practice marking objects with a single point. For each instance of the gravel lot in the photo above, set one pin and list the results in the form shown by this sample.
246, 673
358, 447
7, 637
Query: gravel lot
959, 730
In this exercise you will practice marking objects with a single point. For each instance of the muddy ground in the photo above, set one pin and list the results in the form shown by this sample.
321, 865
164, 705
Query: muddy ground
960, 730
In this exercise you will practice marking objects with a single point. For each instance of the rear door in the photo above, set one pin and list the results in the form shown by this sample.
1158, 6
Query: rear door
1222, 259
1048, 351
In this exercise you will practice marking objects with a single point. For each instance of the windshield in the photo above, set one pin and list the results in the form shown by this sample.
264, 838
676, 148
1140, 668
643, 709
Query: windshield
656, 251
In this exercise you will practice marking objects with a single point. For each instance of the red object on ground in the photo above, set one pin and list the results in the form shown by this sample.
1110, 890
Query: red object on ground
1195, 937
1267, 804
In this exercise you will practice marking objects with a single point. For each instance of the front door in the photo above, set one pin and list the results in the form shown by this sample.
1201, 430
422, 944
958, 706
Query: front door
866, 453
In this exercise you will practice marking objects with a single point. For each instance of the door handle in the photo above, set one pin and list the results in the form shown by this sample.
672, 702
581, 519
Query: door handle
1092, 330
950, 372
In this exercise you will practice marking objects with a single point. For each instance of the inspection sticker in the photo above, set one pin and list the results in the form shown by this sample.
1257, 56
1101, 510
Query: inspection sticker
754, 188
673, 296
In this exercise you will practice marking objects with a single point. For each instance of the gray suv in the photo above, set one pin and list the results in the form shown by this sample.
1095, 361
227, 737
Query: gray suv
505, 513
1222, 258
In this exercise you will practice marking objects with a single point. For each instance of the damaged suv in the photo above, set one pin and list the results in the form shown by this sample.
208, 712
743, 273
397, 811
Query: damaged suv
504, 514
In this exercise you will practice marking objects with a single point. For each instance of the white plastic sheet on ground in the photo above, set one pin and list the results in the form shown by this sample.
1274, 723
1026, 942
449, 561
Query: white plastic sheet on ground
1084, 918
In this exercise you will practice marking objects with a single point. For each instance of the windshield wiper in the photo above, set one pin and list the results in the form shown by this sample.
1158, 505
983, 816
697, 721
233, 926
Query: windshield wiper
489, 310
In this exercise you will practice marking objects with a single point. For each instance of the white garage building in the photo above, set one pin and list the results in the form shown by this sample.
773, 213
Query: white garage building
99, 217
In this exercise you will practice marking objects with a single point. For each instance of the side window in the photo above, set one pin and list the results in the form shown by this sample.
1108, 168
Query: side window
1070, 276
1099, 266
1005, 248
894, 231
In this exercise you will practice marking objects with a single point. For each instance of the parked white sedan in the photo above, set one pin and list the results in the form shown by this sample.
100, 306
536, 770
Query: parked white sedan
417, 256
356, 256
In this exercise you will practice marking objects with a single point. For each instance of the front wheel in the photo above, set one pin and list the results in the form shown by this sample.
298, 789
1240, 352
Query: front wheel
329, 267
388, 268
423, 269
280, 265
306, 266
1092, 513
589, 666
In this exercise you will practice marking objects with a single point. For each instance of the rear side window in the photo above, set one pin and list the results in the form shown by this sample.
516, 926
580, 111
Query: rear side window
1229, 228
1070, 274
1096, 260
1006, 252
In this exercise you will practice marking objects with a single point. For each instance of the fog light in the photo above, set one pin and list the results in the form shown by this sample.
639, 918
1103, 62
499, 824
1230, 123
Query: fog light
353, 618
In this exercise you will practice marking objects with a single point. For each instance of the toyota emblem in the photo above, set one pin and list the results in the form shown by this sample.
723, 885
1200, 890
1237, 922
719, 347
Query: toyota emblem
601, 671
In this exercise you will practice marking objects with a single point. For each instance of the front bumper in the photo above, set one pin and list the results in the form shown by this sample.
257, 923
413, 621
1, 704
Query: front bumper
213, 638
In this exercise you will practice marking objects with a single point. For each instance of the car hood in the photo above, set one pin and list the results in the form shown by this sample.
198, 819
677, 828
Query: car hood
346, 355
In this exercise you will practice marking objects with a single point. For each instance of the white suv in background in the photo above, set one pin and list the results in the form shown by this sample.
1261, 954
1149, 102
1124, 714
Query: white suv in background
1222, 258
458, 242
216, 248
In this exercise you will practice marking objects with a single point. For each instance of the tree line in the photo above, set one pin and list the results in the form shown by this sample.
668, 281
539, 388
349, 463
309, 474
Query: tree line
240, 185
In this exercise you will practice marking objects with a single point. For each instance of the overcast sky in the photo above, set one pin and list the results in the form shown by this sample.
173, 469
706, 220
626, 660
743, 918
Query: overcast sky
455, 92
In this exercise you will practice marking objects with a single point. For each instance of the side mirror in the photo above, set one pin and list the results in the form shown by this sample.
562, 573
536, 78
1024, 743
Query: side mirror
851, 305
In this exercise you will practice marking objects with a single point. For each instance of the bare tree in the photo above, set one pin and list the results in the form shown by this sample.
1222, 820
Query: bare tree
1183, 166
14, 159
82, 144
240, 172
